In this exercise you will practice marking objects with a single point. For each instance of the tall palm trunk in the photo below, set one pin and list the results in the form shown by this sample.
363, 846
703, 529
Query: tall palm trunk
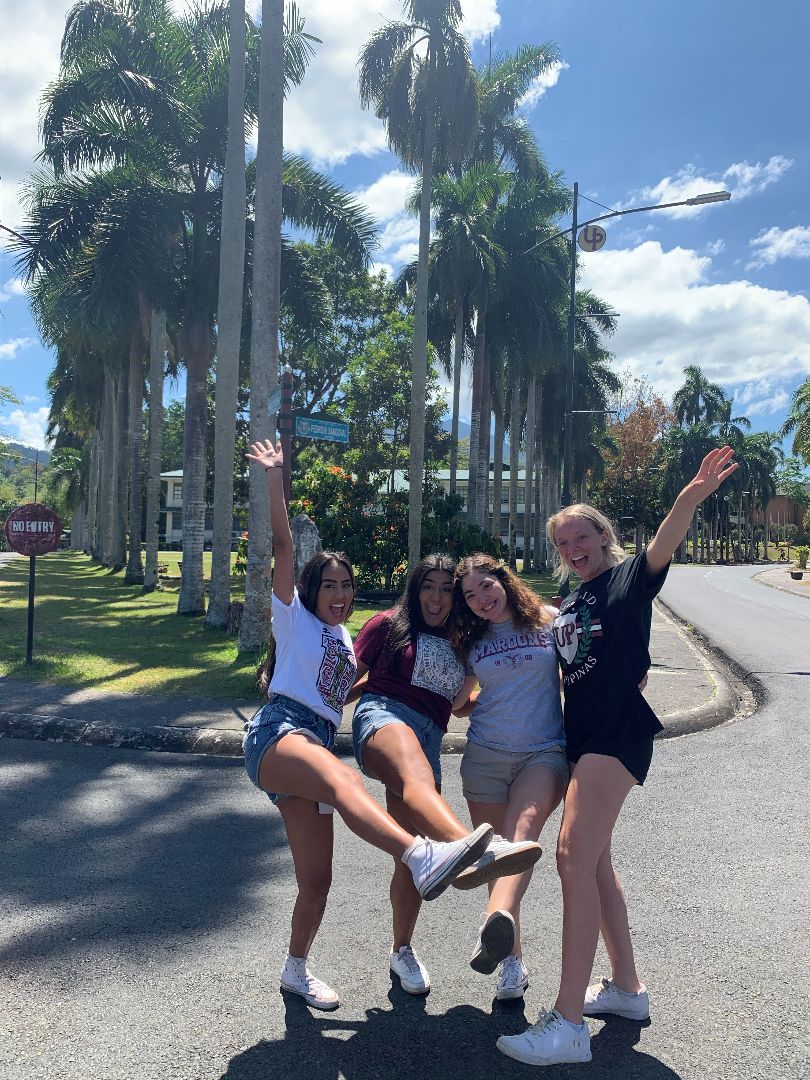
540, 558
229, 320
118, 545
197, 354
254, 630
498, 406
528, 485
157, 352
515, 418
92, 532
106, 495
458, 357
484, 442
134, 574
419, 353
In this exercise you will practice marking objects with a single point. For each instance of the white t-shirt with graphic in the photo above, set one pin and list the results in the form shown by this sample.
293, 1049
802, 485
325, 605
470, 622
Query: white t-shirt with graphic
519, 707
315, 662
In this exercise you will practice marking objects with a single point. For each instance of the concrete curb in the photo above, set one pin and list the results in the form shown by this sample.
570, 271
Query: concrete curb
760, 580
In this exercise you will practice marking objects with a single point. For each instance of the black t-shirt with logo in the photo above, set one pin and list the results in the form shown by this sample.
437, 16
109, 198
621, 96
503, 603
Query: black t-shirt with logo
603, 635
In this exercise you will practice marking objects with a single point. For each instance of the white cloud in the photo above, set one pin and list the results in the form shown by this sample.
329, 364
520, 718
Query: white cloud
715, 247
386, 197
672, 316
399, 238
29, 398
741, 178
9, 349
541, 84
27, 427
775, 243
762, 398
12, 288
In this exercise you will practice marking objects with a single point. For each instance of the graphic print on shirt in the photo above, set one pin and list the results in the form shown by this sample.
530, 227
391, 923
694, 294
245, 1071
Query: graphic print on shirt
336, 673
574, 631
512, 650
436, 667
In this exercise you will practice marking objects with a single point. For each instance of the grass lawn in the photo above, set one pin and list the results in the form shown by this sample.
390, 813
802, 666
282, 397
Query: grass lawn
92, 630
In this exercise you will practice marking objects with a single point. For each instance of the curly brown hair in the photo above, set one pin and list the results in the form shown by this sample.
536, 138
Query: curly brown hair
528, 610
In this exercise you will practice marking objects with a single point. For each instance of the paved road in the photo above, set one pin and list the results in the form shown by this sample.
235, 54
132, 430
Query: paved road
145, 901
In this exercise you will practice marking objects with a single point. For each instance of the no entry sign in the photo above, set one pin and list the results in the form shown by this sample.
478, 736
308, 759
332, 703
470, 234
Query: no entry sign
33, 529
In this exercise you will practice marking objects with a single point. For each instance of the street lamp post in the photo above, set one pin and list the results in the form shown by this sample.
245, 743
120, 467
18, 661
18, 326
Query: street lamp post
696, 200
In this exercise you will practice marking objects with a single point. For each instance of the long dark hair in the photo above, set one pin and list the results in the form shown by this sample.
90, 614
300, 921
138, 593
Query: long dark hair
527, 608
308, 586
407, 620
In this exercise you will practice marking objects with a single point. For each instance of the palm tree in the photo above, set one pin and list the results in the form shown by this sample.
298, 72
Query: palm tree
407, 70
229, 321
698, 399
798, 421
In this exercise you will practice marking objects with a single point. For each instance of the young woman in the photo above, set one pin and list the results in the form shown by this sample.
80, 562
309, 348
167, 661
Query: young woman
288, 743
514, 770
413, 677
602, 636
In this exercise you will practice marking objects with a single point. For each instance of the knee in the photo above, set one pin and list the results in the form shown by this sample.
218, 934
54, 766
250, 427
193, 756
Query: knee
572, 861
314, 887
528, 825
348, 782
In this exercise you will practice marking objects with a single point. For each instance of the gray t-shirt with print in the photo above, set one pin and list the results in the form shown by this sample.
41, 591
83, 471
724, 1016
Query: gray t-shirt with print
518, 708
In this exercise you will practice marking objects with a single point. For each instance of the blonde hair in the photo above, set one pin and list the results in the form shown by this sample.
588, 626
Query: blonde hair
614, 552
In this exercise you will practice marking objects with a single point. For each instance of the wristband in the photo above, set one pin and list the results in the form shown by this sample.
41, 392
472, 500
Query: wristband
269, 467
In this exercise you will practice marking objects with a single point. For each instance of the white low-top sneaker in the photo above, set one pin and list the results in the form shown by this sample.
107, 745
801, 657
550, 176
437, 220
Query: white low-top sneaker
434, 864
413, 976
298, 979
502, 858
496, 939
553, 1040
606, 997
513, 979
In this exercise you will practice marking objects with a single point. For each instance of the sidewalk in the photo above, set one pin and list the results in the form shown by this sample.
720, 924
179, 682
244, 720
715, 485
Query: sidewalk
778, 577
685, 688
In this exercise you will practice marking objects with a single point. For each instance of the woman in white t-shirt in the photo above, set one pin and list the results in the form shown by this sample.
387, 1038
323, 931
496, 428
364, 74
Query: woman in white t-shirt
514, 770
313, 670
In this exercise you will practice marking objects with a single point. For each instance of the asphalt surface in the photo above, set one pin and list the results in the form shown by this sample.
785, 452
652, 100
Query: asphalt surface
146, 898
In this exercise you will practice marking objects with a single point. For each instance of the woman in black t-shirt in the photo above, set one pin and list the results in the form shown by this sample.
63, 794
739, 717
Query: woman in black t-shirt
602, 636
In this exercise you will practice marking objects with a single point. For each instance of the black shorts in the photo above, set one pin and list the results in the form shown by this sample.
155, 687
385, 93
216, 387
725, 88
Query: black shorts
633, 751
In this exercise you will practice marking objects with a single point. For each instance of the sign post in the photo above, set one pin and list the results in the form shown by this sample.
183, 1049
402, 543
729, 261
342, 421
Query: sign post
32, 529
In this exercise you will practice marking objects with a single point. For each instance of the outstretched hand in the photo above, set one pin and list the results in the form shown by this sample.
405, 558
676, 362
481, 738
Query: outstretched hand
266, 455
716, 467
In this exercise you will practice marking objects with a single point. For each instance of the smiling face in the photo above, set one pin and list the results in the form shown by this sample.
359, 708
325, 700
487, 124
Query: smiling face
335, 594
582, 547
436, 597
486, 597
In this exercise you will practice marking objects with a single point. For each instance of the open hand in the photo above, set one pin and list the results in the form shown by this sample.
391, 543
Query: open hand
714, 469
266, 455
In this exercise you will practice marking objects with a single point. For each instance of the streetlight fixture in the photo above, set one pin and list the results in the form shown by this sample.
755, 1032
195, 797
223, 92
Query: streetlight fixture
695, 200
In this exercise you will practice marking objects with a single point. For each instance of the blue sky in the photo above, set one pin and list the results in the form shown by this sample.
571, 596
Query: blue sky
653, 102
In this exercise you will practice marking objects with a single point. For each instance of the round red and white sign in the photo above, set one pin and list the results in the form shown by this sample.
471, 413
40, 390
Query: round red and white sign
33, 529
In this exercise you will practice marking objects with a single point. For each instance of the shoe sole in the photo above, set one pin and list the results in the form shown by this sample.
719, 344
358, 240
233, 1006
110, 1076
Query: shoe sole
477, 844
497, 942
592, 1012
314, 1004
528, 1059
506, 865
416, 991
512, 995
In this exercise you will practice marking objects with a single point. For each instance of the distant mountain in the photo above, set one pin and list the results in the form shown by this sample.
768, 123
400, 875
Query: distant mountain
464, 442
28, 453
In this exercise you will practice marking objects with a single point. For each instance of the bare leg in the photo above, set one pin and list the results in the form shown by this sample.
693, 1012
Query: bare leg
532, 798
297, 766
310, 836
405, 899
615, 927
599, 785
394, 756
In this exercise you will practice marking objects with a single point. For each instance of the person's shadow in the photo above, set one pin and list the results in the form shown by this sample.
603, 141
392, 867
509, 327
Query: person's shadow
405, 1042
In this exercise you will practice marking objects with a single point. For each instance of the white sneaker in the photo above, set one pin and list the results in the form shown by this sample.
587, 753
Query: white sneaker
496, 939
502, 858
298, 979
606, 997
513, 979
434, 864
413, 976
553, 1040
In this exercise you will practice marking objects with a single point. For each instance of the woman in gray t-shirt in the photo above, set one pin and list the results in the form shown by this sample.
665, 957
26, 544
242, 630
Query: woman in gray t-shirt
514, 770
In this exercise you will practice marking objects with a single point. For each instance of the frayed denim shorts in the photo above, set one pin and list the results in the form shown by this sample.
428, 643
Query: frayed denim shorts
374, 711
279, 717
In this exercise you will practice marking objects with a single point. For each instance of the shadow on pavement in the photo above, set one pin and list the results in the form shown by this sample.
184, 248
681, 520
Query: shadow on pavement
405, 1042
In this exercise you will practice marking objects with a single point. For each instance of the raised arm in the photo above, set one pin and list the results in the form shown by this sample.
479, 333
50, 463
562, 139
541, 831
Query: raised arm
714, 469
271, 460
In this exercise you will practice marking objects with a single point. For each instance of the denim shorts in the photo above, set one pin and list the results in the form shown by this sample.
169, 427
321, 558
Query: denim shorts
375, 711
280, 716
487, 774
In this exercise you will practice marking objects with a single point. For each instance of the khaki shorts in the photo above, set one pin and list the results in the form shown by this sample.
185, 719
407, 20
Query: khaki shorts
487, 775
